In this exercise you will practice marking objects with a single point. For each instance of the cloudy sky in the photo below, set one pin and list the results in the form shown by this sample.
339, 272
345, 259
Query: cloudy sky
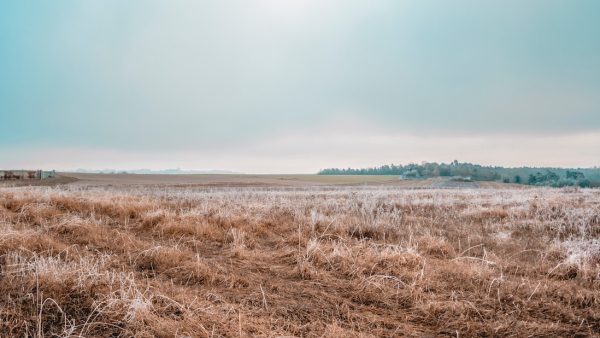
292, 86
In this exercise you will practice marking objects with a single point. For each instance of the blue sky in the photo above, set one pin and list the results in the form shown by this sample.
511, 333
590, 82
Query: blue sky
297, 85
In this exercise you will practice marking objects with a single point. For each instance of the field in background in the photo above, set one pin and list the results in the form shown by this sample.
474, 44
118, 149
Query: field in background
235, 180
244, 180
103, 257
241, 180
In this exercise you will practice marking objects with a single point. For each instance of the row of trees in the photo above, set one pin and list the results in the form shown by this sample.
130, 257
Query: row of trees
475, 171
549, 178
557, 177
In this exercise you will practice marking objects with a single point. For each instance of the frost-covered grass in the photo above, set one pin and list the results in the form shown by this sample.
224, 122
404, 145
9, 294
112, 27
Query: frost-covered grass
322, 261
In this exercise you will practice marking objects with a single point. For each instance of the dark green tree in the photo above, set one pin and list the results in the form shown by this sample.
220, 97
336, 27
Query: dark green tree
575, 175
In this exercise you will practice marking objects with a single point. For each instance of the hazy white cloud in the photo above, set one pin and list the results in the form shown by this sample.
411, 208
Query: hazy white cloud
352, 143
268, 84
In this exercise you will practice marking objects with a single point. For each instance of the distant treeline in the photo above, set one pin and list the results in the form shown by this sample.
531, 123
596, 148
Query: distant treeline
556, 177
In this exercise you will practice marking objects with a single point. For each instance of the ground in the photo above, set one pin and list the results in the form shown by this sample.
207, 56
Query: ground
297, 255
235, 180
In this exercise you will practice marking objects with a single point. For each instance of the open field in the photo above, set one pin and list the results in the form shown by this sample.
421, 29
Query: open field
47, 182
179, 260
227, 180
244, 180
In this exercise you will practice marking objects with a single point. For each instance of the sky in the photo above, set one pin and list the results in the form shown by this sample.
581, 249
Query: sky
293, 86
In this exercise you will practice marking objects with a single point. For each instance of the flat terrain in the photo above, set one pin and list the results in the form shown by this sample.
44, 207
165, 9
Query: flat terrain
227, 180
211, 257
58, 180
240, 180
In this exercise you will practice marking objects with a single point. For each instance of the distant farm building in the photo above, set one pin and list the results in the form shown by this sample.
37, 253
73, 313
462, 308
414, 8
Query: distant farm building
6, 175
410, 175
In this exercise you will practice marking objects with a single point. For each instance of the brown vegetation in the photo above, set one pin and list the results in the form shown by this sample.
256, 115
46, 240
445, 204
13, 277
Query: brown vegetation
319, 261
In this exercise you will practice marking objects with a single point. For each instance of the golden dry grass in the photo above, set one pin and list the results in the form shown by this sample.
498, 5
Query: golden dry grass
312, 262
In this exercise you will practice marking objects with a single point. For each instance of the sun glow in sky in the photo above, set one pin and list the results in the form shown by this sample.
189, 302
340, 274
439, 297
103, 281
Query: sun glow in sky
298, 85
291, 7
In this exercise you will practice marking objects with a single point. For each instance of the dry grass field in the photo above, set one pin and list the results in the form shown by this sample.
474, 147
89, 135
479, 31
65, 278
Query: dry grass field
103, 260
231, 180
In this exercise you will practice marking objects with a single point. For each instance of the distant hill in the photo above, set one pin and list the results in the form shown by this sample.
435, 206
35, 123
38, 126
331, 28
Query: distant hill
544, 176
